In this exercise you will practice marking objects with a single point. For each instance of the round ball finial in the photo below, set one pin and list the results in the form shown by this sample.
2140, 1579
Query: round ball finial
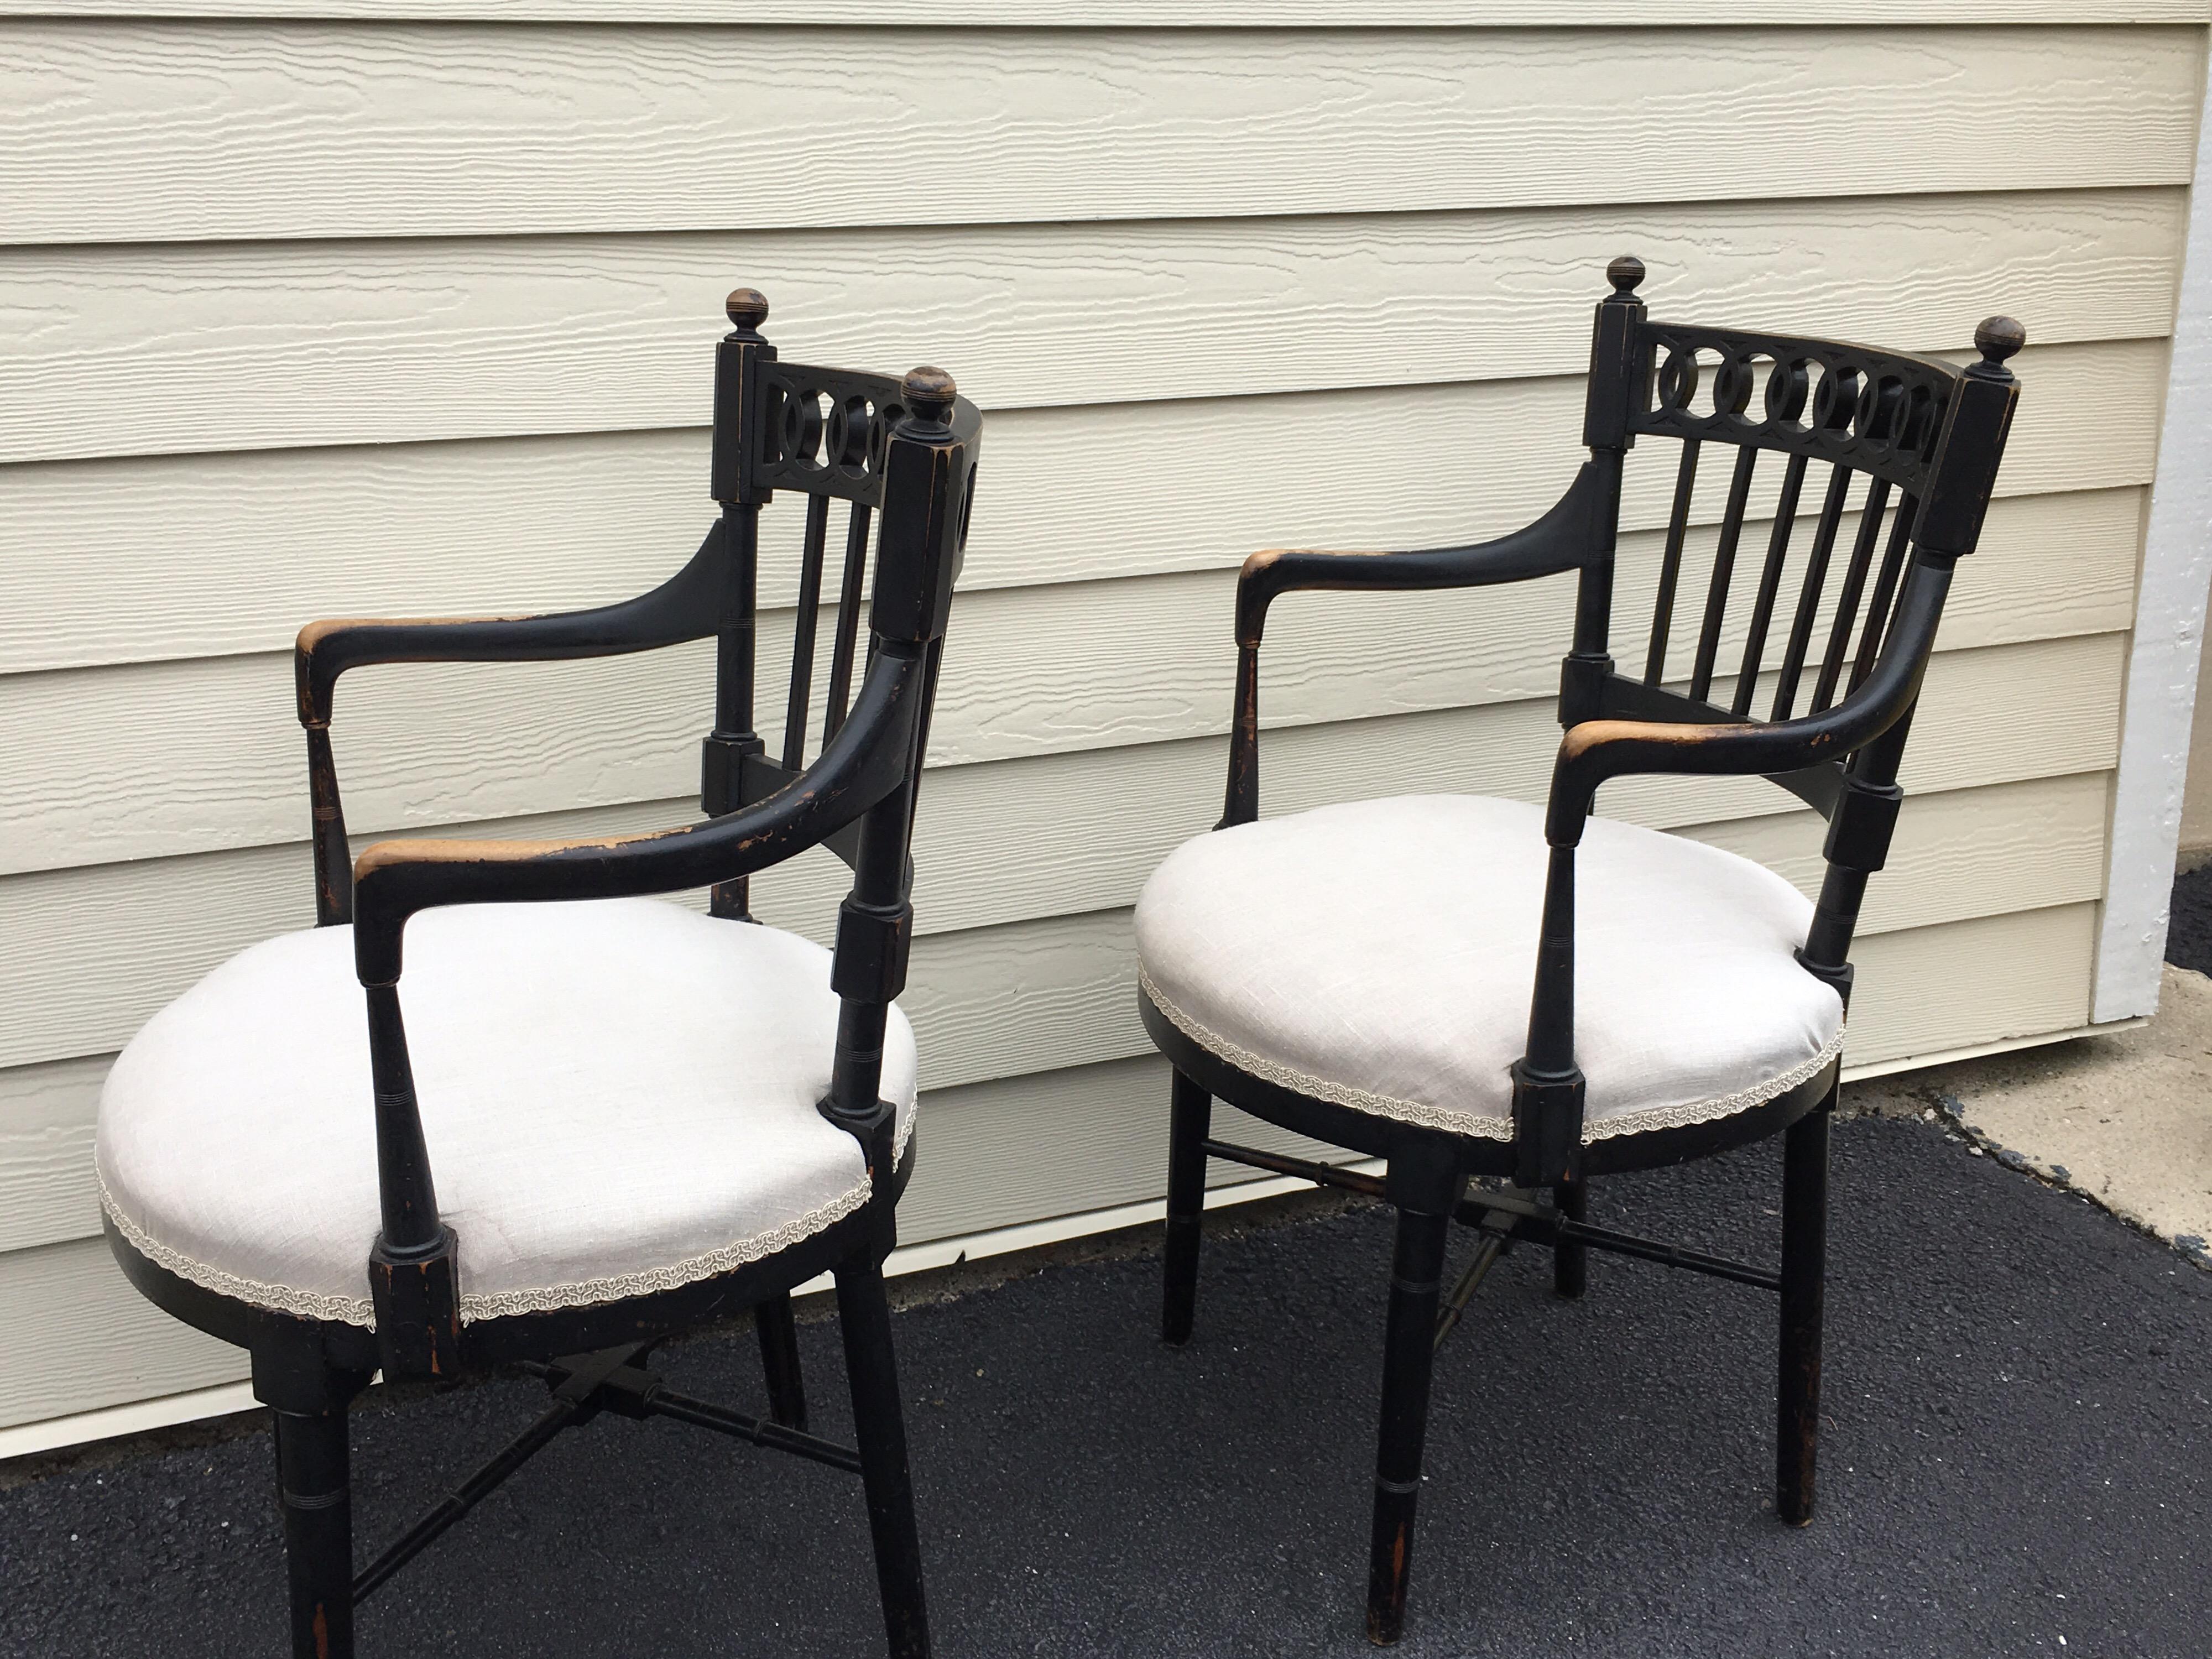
929, 392
1625, 273
1998, 337
747, 308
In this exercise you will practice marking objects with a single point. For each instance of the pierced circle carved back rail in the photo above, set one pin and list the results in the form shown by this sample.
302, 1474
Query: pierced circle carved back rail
1876, 412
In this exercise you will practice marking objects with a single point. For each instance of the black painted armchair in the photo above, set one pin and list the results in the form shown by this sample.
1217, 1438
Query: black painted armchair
1471, 989
602, 1119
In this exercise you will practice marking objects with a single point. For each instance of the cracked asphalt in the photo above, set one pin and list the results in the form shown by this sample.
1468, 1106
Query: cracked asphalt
2016, 1411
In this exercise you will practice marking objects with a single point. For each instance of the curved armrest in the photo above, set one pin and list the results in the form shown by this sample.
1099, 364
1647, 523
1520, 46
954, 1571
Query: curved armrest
1564, 539
687, 607
1561, 540
865, 762
1547, 1084
1595, 751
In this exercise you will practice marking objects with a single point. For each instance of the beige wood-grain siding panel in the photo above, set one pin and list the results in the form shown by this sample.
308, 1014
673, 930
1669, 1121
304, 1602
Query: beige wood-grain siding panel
80, 1338
148, 559
177, 130
47, 1190
1960, 854
168, 758
210, 347
99, 949
1269, 14
1027, 1149
1991, 980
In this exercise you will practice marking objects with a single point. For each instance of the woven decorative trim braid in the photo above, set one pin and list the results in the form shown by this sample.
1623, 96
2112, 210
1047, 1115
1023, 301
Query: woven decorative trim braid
585, 1293
621, 1286
1705, 1111
1467, 1123
279, 1298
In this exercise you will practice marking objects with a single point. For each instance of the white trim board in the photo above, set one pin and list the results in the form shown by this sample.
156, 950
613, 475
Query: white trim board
2169, 628
137, 1417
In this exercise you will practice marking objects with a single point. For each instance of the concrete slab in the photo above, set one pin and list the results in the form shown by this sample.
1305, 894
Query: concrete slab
2125, 1119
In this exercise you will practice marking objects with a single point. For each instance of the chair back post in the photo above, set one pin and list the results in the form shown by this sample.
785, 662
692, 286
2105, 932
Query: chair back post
1946, 528
1547, 1084
738, 437
928, 470
1589, 666
1877, 413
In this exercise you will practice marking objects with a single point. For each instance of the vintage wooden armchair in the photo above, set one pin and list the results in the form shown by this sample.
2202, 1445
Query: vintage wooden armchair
1413, 979
639, 1118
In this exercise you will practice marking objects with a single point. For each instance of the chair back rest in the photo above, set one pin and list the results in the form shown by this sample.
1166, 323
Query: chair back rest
1875, 436
900, 452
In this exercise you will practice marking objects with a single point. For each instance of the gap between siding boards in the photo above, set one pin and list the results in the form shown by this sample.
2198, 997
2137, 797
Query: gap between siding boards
137, 1417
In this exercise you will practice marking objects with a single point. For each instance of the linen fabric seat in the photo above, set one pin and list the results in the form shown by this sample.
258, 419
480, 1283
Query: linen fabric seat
620, 1096
1378, 955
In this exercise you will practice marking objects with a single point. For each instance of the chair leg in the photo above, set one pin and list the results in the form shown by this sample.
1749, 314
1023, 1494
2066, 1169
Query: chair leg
1804, 1273
779, 1346
1408, 1347
1571, 1262
880, 1429
313, 1488
307, 1401
1189, 1119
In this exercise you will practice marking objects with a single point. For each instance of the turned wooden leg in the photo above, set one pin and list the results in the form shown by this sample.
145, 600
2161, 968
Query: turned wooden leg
880, 1429
308, 1400
1409, 1345
1804, 1273
1571, 1262
1189, 1116
779, 1346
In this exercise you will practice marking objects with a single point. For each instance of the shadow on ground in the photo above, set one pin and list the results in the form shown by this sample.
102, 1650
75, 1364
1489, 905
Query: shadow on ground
2015, 1423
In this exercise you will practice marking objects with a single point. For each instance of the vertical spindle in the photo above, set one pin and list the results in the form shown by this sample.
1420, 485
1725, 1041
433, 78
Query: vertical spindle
802, 632
1885, 589
1770, 584
848, 621
1670, 567
1808, 597
1847, 599
1716, 596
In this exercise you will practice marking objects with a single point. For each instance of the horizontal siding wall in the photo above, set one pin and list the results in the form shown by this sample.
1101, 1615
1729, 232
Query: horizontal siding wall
1266, 14
311, 309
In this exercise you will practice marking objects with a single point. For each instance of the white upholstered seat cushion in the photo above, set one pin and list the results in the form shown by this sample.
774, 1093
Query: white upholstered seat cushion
1381, 955
618, 1097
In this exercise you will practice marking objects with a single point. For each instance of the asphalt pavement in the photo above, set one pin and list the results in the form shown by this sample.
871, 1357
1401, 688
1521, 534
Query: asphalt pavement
2013, 1463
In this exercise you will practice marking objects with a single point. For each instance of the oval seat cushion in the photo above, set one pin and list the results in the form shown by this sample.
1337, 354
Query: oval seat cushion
1382, 954
618, 1097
